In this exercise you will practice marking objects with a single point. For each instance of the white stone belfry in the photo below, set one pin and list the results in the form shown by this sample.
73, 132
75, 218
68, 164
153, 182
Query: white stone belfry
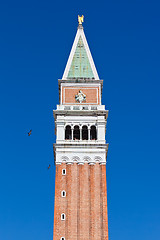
80, 111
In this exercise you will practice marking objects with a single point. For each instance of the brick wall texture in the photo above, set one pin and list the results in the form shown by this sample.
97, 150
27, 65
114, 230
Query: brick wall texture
85, 204
92, 95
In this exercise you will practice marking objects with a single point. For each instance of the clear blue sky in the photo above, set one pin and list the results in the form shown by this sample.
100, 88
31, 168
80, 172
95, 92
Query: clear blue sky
35, 41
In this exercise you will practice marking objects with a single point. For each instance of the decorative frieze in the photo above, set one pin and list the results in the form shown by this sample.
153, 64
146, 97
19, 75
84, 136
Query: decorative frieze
79, 161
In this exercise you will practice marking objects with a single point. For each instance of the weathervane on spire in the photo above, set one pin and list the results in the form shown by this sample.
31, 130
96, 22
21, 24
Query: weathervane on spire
80, 19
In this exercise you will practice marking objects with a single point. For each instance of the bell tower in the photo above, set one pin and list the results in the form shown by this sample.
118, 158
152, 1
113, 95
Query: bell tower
80, 151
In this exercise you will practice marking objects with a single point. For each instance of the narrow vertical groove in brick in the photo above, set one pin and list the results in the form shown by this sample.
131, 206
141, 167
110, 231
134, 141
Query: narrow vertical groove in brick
60, 203
68, 200
74, 200
97, 216
104, 200
84, 213
71, 202
78, 204
92, 209
89, 178
63, 200
101, 203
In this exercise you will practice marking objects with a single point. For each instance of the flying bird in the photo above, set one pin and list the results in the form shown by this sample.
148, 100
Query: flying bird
49, 166
29, 133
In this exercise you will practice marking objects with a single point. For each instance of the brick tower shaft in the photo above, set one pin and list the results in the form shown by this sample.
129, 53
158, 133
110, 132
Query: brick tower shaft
85, 204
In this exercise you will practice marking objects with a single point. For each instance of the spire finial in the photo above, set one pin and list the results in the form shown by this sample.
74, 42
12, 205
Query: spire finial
80, 19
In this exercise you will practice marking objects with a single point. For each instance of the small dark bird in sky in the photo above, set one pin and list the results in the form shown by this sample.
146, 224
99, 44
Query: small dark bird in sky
29, 133
49, 166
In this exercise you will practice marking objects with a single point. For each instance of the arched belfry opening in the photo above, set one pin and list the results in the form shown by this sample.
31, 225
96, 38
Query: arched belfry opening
68, 133
76, 133
84, 133
93, 133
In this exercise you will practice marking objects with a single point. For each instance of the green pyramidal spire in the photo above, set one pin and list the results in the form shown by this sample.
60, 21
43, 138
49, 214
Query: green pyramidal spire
80, 66
80, 63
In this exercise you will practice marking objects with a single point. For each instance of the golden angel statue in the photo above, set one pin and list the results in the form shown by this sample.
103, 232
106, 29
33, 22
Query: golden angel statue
80, 19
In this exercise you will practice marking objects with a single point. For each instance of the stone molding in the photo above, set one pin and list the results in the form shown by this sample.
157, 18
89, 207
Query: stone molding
81, 161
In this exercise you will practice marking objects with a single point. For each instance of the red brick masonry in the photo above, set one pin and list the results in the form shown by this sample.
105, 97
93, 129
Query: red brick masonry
85, 204
92, 95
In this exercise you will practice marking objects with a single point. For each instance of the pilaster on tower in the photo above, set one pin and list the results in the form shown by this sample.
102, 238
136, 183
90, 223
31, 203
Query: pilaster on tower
80, 149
